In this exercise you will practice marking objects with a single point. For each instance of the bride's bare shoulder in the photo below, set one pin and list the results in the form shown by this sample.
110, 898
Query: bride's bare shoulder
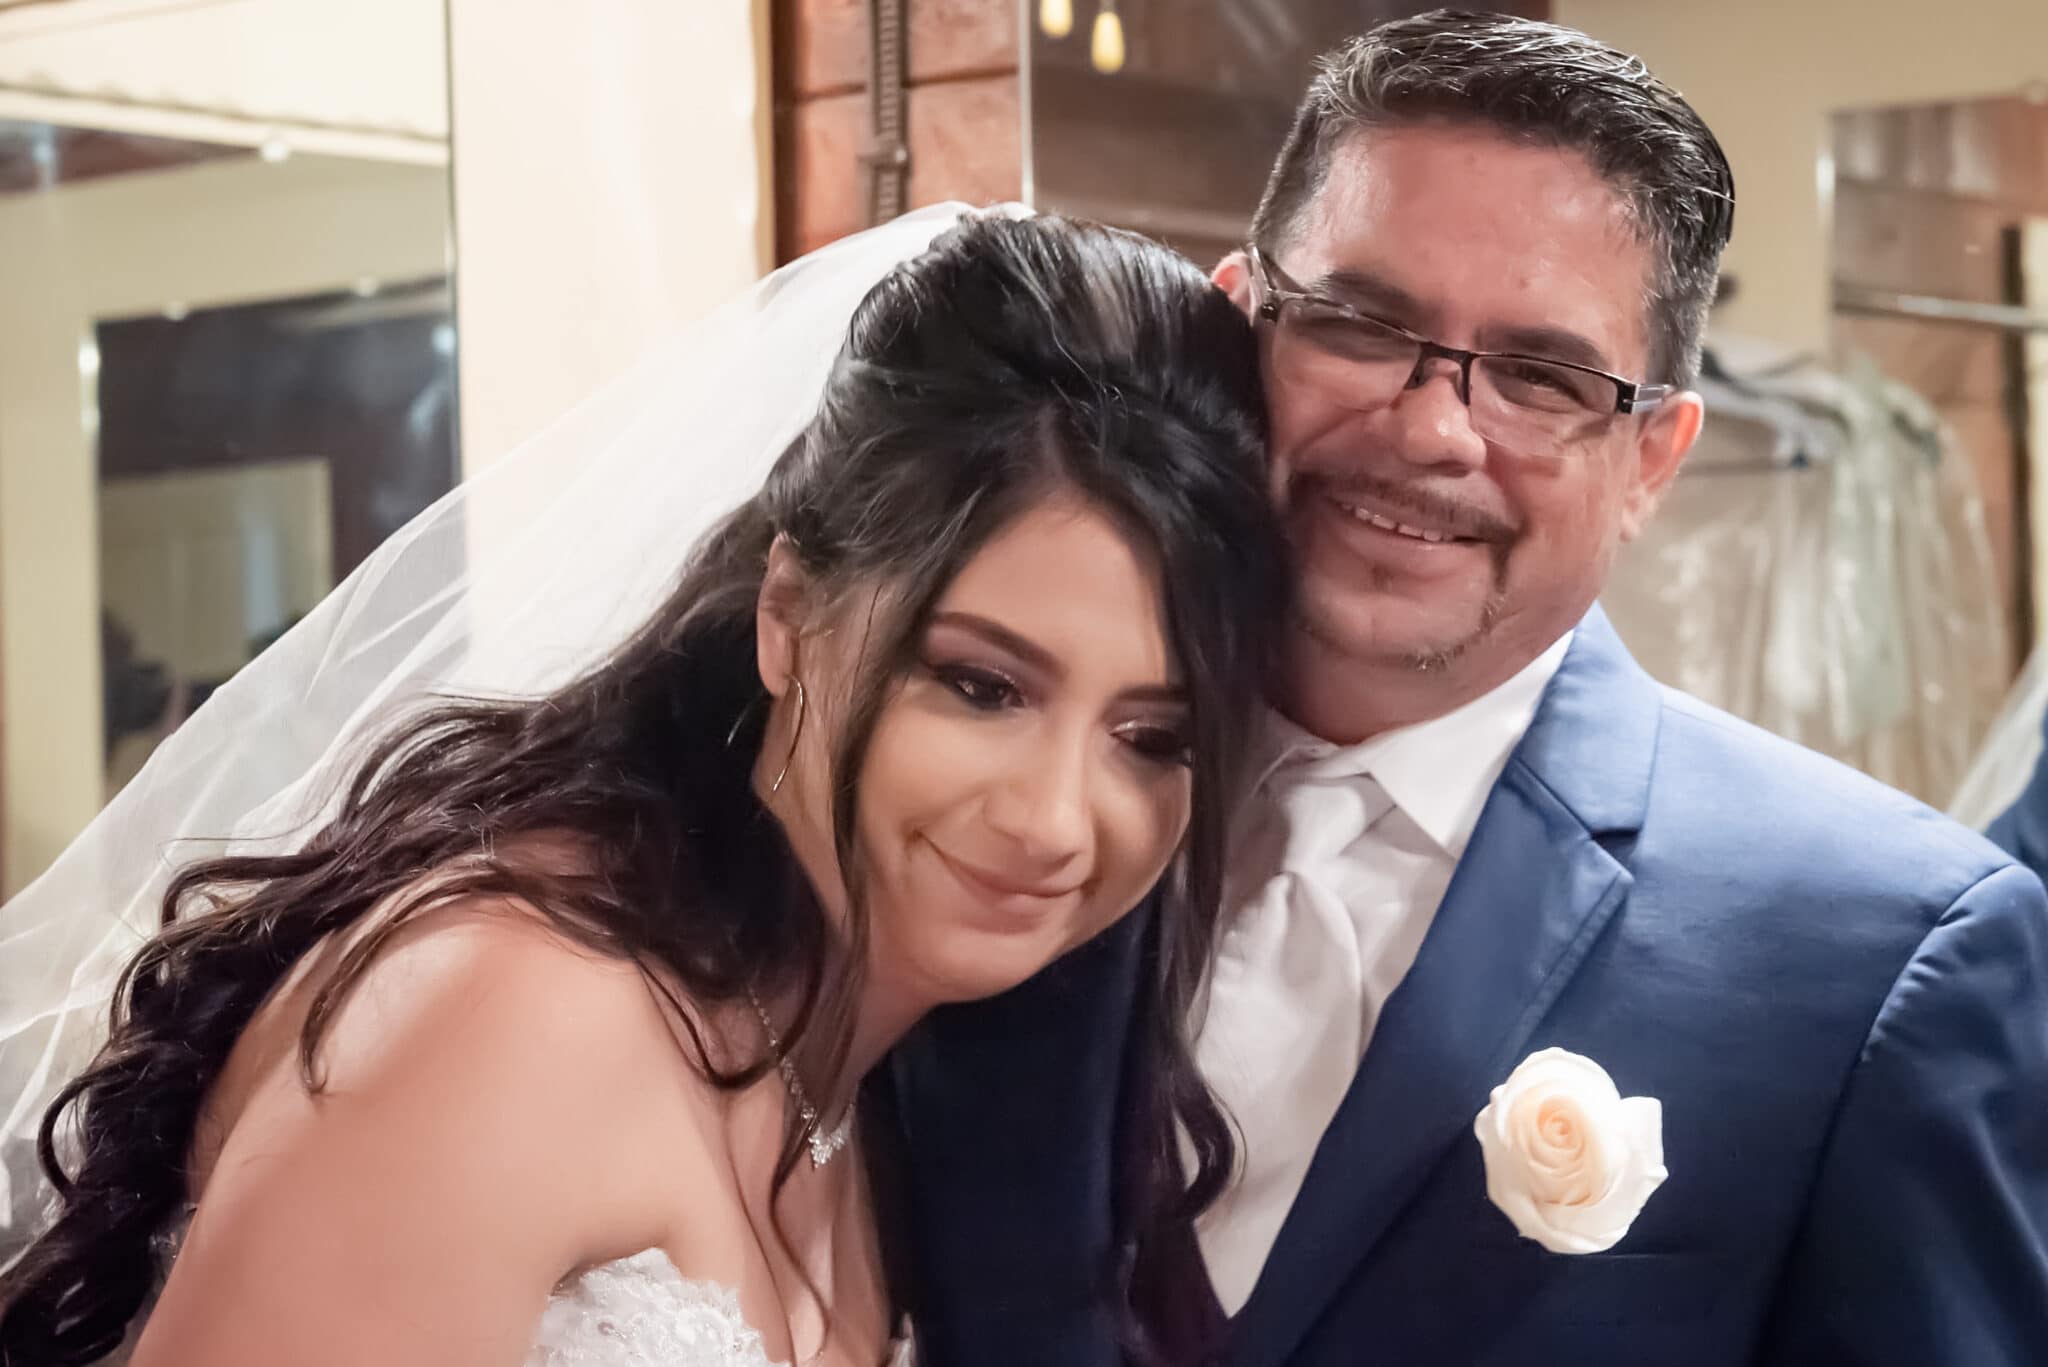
478, 1022
483, 975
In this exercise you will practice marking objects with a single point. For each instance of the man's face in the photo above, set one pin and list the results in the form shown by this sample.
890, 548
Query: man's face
1421, 543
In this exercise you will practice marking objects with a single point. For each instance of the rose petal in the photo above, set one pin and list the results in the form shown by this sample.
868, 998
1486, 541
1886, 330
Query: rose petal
1645, 1117
1561, 1237
1562, 1068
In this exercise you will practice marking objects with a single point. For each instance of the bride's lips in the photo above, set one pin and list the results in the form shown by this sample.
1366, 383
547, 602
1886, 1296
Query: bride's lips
1002, 890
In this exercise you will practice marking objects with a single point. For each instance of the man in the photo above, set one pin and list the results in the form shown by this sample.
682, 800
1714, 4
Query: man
1480, 273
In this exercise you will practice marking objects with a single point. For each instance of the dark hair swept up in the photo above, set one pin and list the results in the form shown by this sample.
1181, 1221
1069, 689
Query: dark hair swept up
1551, 85
1015, 359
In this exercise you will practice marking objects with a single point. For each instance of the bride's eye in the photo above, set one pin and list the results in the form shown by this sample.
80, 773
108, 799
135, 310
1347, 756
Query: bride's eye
1160, 744
982, 689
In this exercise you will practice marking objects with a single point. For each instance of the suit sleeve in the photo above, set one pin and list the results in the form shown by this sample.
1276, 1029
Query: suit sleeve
1926, 1239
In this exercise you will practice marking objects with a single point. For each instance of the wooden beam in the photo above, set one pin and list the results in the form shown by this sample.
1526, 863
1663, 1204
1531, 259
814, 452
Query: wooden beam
965, 143
949, 40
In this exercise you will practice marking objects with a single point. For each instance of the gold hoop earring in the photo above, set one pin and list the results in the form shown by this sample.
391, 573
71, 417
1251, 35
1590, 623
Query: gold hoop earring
796, 734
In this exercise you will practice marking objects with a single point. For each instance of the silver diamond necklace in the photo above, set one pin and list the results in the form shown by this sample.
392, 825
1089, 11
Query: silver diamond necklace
825, 1145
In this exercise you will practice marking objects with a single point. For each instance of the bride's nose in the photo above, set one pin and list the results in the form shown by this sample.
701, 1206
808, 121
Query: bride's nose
1042, 807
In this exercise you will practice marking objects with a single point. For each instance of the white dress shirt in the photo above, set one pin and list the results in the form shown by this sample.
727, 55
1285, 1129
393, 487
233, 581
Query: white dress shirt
1339, 861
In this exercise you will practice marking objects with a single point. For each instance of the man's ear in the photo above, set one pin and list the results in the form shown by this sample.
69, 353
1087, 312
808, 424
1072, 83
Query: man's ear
779, 614
1660, 450
1233, 275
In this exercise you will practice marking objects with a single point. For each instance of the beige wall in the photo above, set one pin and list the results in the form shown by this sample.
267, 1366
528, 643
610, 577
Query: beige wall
611, 181
1766, 74
223, 232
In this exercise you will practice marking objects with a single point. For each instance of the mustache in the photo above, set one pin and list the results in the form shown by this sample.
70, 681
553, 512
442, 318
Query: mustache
1428, 506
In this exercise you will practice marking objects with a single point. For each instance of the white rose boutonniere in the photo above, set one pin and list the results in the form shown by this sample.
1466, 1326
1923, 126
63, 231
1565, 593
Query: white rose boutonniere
1568, 1159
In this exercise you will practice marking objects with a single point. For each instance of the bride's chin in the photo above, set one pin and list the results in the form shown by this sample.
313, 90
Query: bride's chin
948, 965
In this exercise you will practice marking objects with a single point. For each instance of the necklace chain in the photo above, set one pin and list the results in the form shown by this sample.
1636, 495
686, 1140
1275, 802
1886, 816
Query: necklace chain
824, 1144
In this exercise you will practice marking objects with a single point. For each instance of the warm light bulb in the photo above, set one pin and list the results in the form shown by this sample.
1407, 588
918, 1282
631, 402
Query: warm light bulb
1056, 17
1107, 51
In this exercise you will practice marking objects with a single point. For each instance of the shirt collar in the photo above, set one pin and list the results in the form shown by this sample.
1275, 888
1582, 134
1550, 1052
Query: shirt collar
1439, 772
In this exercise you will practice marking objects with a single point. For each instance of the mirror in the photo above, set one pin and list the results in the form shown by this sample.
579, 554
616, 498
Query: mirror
227, 356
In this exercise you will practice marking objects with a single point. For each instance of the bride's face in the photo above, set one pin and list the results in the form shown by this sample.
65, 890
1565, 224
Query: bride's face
1028, 781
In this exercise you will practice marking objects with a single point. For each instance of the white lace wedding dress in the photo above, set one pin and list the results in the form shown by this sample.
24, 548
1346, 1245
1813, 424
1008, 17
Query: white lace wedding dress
641, 1312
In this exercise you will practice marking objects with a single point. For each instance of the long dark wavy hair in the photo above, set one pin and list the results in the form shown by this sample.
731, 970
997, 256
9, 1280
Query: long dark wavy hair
1013, 360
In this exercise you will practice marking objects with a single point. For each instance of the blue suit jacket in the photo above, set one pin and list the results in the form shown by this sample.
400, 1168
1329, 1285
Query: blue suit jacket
1840, 997
2023, 829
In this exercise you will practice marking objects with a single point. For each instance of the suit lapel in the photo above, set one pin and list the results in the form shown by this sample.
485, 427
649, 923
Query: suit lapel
1536, 887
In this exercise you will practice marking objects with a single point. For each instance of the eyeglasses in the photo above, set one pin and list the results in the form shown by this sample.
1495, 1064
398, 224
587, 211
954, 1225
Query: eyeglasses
1525, 403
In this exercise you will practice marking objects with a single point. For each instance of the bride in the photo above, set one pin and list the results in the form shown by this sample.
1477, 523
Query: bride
541, 1041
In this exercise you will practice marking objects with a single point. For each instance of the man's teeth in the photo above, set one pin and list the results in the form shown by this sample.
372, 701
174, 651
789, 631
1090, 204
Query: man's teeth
1387, 524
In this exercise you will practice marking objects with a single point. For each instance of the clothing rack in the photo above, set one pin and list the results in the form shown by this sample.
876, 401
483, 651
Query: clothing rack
1714, 371
1864, 299
1749, 402
1713, 469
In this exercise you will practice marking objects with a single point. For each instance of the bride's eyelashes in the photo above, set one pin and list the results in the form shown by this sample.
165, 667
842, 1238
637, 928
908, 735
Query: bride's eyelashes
984, 689
981, 688
1160, 744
